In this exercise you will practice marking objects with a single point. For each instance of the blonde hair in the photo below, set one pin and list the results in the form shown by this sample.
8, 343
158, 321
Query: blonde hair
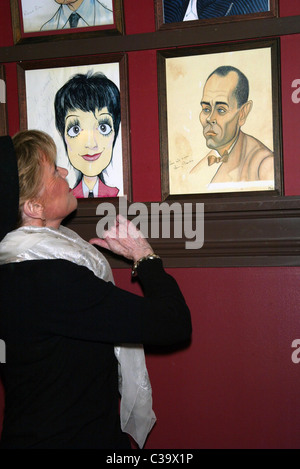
32, 148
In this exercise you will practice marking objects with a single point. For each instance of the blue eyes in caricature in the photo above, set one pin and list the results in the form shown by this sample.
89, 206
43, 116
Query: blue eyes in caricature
74, 129
208, 110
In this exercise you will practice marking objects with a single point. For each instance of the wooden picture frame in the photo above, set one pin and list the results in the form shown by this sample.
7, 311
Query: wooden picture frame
36, 21
177, 16
3, 105
39, 83
182, 76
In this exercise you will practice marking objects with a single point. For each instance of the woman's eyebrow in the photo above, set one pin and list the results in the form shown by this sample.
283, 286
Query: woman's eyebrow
71, 115
105, 114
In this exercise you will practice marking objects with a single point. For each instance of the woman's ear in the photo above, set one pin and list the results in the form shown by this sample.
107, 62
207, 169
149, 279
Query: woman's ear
33, 209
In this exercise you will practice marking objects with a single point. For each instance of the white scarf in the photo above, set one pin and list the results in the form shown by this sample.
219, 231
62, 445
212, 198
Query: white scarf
35, 243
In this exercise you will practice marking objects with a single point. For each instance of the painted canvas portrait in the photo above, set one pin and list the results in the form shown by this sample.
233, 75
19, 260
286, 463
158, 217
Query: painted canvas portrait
189, 10
52, 15
220, 122
79, 106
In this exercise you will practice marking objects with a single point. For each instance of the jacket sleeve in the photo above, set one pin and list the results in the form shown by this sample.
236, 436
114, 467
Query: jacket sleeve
85, 307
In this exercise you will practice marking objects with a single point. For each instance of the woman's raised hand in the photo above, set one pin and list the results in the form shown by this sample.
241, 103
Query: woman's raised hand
124, 239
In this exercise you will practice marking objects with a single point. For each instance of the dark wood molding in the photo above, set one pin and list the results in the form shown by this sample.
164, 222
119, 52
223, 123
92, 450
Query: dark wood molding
198, 35
254, 231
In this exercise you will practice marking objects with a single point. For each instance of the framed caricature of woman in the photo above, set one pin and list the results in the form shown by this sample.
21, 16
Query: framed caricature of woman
83, 108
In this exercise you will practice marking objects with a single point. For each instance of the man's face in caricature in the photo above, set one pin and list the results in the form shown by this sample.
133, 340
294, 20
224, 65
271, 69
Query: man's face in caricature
220, 113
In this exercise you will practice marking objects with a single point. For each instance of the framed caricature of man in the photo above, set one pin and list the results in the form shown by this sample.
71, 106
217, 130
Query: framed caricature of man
220, 122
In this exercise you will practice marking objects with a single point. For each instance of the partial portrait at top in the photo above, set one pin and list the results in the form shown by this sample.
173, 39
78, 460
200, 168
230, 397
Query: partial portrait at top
51, 15
188, 10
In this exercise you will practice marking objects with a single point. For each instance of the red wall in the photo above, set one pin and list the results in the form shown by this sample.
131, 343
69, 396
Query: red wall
235, 386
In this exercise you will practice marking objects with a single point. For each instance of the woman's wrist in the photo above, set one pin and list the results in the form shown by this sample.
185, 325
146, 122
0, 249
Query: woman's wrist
139, 253
149, 256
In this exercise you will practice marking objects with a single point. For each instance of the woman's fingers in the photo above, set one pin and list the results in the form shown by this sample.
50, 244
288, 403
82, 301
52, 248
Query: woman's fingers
99, 242
125, 239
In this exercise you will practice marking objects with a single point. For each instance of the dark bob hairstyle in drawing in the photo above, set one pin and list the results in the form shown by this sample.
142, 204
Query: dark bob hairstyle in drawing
87, 92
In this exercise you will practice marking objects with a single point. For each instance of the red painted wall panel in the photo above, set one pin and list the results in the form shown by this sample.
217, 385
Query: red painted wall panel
288, 8
6, 37
235, 386
290, 70
144, 126
139, 16
12, 98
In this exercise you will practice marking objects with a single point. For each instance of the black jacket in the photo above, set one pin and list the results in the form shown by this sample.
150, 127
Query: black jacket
60, 324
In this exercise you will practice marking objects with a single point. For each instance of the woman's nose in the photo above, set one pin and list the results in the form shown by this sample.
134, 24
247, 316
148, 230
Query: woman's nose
91, 139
